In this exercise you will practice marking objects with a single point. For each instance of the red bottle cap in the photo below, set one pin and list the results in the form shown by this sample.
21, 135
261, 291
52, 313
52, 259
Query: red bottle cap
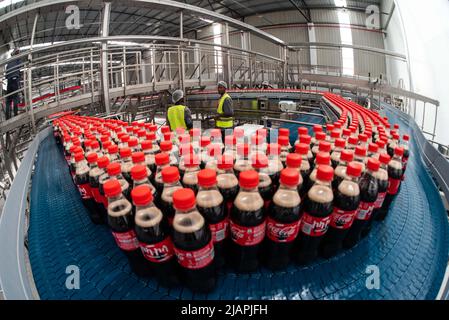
113, 148
273, 149
205, 141
161, 159
384, 158
207, 178
259, 161
94, 144
305, 139
373, 164
346, 132
325, 173
141, 133
170, 175
323, 158
373, 147
317, 128
168, 136
79, 156
124, 138
360, 151
353, 140
354, 169
133, 142
294, 160
324, 146
303, 131
225, 162
396, 126
151, 136
335, 134
166, 146
92, 157
112, 188
340, 143
399, 151
139, 172
406, 137
249, 179
125, 152
146, 145
165, 129
103, 162
283, 141
142, 195
347, 156
114, 169
184, 199
330, 127
289, 177
363, 137
106, 144
381, 144
138, 157
284, 132
302, 148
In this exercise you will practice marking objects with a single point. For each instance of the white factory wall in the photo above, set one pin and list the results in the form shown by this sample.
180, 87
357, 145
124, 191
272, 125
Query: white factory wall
427, 34
291, 27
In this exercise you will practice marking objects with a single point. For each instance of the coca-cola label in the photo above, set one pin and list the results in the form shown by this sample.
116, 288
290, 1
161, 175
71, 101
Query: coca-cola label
314, 226
219, 230
96, 194
342, 219
126, 241
282, 232
158, 252
365, 211
196, 259
393, 186
85, 191
247, 236
380, 200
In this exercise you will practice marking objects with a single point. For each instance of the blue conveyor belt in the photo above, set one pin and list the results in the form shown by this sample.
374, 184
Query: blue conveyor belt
410, 248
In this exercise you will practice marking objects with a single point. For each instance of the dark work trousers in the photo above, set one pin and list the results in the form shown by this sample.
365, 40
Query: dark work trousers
12, 101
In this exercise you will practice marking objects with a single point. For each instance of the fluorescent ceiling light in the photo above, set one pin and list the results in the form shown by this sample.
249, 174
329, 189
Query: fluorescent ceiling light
206, 20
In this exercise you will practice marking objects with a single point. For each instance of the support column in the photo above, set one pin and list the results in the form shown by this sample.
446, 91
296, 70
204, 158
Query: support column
227, 67
181, 58
29, 81
313, 51
106, 15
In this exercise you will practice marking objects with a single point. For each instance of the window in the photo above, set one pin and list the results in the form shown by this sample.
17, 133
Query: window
218, 58
347, 54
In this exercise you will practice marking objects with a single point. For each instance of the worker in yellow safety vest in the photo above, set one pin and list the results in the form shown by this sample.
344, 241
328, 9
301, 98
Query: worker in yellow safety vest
225, 110
178, 115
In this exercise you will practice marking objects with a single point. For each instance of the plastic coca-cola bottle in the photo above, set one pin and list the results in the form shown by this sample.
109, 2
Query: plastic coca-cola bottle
346, 156
360, 155
94, 173
82, 182
352, 143
211, 205
167, 147
406, 145
369, 191
121, 223
139, 158
193, 243
153, 233
127, 163
139, 174
316, 129
318, 208
294, 161
306, 139
103, 163
113, 154
275, 165
115, 172
373, 151
393, 143
260, 164
382, 178
306, 168
247, 223
283, 220
339, 146
322, 158
302, 131
242, 162
97, 178
190, 178
363, 140
150, 162
162, 161
227, 182
346, 203
394, 182
170, 177
284, 142
319, 137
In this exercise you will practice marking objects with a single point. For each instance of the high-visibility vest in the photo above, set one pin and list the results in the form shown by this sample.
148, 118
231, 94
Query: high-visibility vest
223, 122
175, 115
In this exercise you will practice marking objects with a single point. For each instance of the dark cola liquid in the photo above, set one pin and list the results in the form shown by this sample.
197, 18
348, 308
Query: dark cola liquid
394, 173
248, 211
87, 199
228, 185
126, 171
265, 187
166, 202
318, 204
121, 220
152, 232
212, 207
190, 181
347, 198
339, 176
285, 209
94, 181
197, 237
369, 190
383, 187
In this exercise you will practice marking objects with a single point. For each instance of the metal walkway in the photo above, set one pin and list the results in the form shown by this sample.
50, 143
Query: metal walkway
410, 248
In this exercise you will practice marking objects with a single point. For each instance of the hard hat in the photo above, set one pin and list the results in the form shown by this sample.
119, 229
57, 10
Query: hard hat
222, 84
177, 95
265, 83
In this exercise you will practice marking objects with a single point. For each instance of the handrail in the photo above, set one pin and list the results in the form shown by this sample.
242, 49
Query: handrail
14, 279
